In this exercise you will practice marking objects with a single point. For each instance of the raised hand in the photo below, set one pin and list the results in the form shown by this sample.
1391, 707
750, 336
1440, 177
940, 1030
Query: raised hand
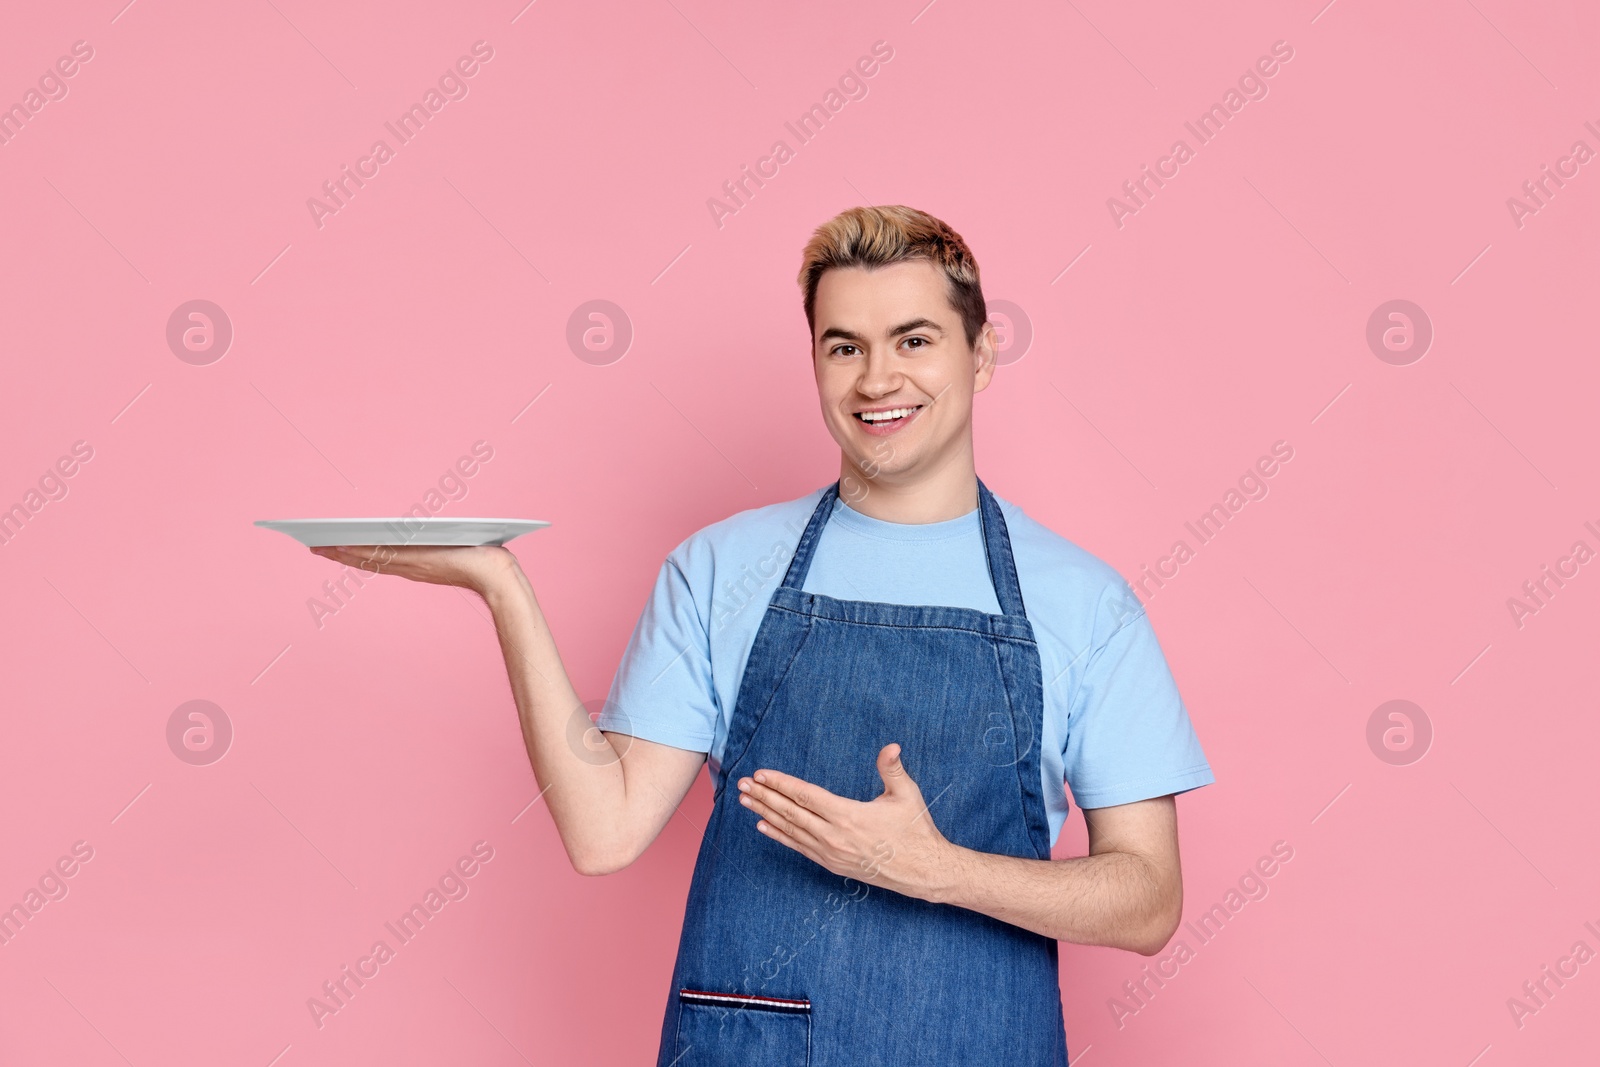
890, 841
475, 567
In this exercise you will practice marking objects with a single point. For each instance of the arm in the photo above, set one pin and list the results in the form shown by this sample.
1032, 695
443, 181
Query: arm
609, 794
1127, 893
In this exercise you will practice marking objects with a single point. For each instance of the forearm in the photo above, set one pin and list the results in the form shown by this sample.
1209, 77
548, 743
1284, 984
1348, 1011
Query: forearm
1127, 893
1112, 898
584, 790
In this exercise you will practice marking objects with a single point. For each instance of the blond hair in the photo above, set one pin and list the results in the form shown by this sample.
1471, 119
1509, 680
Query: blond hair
877, 236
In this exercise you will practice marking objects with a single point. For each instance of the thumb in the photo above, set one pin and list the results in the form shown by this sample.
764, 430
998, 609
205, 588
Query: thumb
896, 781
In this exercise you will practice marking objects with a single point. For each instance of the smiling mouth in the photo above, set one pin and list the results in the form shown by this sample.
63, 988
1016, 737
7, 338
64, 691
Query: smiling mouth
891, 418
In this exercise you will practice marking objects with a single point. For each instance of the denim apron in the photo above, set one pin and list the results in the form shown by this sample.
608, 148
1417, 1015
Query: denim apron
782, 962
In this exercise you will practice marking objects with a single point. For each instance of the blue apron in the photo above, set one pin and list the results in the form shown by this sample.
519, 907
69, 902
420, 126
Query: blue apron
782, 962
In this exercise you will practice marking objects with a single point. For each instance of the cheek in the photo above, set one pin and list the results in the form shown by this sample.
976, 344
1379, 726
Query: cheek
940, 383
833, 388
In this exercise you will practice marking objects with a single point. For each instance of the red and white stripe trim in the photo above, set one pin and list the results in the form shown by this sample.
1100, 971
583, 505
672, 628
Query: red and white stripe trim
742, 1000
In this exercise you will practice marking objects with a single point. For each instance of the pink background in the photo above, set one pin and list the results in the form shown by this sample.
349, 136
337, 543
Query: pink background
1229, 313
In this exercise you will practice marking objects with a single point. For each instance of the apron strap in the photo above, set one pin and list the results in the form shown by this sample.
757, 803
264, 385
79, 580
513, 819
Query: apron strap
996, 547
801, 563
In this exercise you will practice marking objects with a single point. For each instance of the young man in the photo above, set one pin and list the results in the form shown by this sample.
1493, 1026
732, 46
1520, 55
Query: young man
893, 679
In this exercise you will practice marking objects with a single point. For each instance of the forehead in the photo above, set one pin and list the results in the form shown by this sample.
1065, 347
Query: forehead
877, 296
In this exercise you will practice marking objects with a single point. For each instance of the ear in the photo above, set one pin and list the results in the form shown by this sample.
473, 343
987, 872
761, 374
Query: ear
984, 356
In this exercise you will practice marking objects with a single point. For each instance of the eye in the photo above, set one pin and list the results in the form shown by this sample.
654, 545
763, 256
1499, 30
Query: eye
922, 341
837, 349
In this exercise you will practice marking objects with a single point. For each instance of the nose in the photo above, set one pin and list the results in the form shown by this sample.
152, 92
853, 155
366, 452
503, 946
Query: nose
879, 375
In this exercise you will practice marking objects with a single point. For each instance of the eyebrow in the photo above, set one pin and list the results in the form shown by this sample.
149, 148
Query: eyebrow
905, 327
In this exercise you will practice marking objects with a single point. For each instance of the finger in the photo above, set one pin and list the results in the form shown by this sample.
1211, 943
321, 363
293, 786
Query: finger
801, 842
804, 793
371, 558
376, 558
342, 553
896, 781
782, 812
781, 808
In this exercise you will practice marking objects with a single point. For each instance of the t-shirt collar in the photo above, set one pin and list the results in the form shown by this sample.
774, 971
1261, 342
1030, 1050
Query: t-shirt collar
851, 519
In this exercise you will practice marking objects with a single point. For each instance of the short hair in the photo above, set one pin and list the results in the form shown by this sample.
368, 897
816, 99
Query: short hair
873, 237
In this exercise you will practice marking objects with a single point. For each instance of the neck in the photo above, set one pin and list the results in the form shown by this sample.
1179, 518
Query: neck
947, 491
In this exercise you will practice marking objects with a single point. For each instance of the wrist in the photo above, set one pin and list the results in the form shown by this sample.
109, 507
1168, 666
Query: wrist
500, 577
947, 877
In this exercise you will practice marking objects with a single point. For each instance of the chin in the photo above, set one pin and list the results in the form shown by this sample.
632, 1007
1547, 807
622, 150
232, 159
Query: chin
875, 470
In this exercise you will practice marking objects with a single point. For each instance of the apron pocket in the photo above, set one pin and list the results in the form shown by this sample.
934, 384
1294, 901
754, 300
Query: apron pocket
738, 1030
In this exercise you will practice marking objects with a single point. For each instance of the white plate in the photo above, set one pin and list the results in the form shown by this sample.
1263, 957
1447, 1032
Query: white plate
316, 533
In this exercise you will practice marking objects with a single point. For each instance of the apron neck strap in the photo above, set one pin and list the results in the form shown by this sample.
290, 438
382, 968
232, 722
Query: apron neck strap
801, 563
996, 545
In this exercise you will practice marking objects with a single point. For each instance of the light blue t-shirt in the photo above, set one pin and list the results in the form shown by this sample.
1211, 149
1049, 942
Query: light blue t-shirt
1115, 728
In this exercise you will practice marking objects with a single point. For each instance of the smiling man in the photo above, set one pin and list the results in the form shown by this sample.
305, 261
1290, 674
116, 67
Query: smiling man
894, 681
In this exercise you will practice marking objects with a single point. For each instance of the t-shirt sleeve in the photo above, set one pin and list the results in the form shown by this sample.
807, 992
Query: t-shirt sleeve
1128, 733
663, 689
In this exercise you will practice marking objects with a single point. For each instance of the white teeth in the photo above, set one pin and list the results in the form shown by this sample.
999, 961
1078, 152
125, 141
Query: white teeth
884, 416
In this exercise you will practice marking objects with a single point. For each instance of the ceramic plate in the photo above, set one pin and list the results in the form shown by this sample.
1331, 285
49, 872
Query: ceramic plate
316, 533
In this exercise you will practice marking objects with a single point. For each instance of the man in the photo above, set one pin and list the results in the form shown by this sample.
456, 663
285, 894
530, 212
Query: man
898, 676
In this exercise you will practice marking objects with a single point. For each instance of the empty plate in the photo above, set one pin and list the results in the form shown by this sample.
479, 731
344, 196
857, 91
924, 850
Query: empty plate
317, 533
